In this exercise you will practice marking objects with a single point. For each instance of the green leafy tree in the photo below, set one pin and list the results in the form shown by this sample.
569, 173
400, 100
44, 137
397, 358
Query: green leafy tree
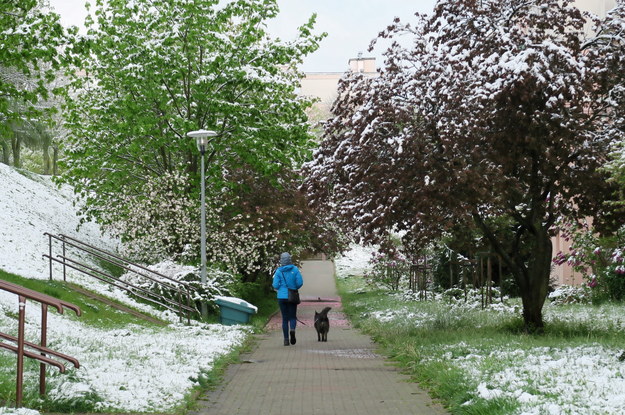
155, 70
611, 41
35, 51
33, 44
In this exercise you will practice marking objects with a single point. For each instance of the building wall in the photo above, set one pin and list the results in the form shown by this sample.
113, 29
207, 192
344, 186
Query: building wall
364, 65
564, 274
598, 7
321, 85
324, 85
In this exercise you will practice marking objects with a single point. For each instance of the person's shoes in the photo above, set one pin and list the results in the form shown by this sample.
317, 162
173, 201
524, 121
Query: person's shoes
286, 342
293, 339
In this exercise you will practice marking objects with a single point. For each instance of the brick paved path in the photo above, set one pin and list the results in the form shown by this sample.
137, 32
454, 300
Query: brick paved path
341, 376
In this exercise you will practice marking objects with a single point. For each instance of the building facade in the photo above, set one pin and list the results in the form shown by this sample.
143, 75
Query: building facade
324, 85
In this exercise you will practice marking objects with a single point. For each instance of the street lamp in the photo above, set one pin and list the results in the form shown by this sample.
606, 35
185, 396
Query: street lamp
201, 137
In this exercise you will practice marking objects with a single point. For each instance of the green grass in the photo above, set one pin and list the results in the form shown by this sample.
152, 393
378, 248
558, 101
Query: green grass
432, 336
266, 308
93, 313
103, 316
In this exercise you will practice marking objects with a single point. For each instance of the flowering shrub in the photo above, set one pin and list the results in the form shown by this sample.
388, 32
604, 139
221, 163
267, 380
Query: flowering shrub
156, 222
244, 231
569, 294
219, 283
600, 260
387, 269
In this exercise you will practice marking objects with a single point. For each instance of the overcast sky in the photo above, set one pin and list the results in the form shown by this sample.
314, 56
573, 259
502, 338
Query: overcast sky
350, 24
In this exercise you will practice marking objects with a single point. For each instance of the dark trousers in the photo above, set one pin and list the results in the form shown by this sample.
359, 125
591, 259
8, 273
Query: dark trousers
289, 316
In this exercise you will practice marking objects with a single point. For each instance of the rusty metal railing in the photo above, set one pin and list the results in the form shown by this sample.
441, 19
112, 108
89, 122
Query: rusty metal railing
180, 303
41, 351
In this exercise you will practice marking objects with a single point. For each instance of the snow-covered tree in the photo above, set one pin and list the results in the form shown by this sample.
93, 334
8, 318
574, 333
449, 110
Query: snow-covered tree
33, 45
610, 41
495, 109
155, 70
36, 49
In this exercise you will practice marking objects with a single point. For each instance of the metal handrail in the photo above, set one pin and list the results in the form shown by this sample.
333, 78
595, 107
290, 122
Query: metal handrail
19, 349
118, 283
123, 261
182, 289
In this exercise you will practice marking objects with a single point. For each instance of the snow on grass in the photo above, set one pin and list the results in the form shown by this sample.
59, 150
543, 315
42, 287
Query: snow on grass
17, 411
587, 379
402, 314
29, 206
134, 369
140, 369
547, 380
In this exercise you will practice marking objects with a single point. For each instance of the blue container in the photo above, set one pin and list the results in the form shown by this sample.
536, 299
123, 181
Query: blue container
234, 311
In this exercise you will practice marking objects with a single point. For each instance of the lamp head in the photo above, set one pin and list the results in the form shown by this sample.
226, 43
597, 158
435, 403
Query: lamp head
201, 137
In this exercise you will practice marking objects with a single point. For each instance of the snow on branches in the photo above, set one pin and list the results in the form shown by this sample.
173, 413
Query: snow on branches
494, 109
155, 70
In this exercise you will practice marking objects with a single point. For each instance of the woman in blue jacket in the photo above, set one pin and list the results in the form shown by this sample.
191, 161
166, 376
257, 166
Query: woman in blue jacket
285, 277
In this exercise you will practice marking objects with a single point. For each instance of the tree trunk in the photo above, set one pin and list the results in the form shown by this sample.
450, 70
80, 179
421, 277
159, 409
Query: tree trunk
6, 153
533, 279
531, 273
16, 145
55, 159
46, 160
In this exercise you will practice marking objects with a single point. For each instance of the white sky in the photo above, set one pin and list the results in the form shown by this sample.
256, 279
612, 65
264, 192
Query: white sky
350, 24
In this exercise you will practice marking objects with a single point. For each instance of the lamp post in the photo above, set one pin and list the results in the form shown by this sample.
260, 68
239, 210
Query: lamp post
201, 137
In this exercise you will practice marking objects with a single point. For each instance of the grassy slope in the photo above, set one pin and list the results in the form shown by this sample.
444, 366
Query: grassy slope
101, 315
94, 314
420, 349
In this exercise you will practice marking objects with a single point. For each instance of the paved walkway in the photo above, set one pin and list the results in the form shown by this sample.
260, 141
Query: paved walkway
341, 376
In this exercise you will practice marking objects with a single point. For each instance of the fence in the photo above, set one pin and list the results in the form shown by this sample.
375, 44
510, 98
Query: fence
179, 299
41, 351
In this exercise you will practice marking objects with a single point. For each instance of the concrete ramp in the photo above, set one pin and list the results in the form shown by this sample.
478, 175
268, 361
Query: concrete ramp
319, 280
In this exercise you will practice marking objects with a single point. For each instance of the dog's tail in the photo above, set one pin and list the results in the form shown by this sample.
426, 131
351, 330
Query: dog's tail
324, 312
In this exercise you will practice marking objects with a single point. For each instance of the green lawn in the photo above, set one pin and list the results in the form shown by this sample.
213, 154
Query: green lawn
472, 359
93, 312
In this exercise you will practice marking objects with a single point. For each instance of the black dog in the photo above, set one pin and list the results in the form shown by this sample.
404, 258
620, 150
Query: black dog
322, 324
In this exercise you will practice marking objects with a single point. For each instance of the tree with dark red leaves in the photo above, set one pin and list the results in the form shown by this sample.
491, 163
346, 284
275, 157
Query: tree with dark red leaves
495, 109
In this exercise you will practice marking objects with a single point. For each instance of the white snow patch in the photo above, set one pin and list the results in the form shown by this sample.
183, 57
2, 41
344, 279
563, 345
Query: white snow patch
135, 369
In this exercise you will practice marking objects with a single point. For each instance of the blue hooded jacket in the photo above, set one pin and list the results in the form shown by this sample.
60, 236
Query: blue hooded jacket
287, 276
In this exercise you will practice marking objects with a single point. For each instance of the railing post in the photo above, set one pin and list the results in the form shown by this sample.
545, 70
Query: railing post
20, 351
64, 268
44, 353
50, 253
44, 340
180, 309
188, 295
